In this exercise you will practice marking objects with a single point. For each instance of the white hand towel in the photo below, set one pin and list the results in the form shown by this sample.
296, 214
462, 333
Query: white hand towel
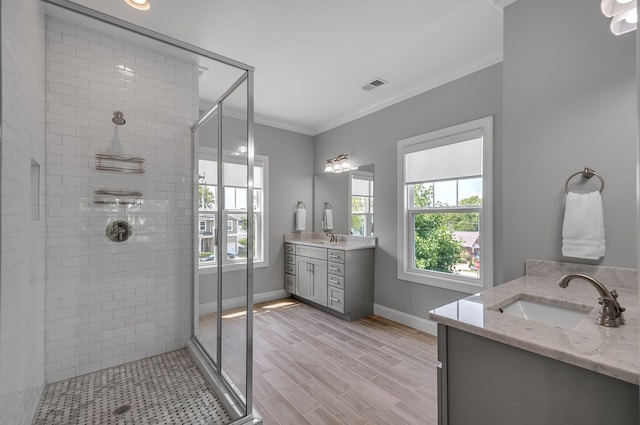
583, 227
301, 219
328, 219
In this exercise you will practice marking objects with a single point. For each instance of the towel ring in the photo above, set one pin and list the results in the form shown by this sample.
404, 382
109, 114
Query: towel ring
586, 173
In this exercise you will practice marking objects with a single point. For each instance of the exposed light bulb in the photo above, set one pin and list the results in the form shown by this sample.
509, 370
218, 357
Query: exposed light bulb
613, 8
339, 164
138, 4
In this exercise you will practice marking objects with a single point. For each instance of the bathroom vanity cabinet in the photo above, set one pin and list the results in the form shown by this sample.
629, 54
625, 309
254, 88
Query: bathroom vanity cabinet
311, 274
481, 381
499, 368
339, 281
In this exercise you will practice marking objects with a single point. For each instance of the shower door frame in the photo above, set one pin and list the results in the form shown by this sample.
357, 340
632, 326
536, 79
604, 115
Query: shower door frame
234, 398
240, 408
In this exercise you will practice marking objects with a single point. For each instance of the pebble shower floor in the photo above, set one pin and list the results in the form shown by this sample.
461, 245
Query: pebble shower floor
164, 389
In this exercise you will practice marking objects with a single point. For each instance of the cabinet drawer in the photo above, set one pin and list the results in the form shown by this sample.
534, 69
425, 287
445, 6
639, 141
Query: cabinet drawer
290, 268
336, 268
336, 299
290, 283
289, 258
311, 252
337, 281
289, 248
336, 256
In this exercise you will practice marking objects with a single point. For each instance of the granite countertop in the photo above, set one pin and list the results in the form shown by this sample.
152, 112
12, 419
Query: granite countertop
320, 240
609, 351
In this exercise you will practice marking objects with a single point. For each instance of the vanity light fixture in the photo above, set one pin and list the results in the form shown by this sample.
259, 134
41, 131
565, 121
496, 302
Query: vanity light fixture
624, 14
339, 164
138, 4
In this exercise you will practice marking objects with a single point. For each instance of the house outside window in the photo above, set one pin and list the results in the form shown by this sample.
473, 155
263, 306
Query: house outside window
445, 226
234, 214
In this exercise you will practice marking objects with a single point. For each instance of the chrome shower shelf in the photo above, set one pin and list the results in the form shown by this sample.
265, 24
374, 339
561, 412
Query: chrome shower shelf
119, 163
117, 197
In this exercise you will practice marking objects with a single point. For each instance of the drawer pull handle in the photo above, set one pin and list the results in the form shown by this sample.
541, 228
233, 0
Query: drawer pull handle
333, 256
334, 269
333, 281
336, 300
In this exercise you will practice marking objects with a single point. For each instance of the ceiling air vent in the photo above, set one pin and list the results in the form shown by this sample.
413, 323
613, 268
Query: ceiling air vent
375, 83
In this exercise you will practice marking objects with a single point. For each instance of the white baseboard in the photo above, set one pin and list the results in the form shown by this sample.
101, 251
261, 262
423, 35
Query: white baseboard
262, 297
415, 322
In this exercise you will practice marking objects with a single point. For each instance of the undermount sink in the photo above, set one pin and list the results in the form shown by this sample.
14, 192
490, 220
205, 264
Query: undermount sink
545, 311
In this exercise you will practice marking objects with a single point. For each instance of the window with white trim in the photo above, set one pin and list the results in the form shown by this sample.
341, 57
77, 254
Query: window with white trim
234, 232
445, 207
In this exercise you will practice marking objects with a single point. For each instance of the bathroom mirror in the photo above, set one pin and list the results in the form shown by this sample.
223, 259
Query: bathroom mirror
350, 196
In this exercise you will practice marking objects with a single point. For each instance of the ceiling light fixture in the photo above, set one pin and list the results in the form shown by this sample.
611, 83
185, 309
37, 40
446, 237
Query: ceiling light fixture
138, 4
339, 164
624, 14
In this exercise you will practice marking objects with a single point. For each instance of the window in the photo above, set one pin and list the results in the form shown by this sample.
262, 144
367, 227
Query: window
361, 203
445, 231
234, 213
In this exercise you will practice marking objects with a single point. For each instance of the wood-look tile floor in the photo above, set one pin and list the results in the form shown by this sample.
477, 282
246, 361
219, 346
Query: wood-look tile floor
313, 368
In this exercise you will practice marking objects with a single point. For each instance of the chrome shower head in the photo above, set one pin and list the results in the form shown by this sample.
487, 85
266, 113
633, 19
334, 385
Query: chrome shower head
118, 118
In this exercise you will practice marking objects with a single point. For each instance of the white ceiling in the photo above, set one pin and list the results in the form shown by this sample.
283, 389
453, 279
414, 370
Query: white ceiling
311, 58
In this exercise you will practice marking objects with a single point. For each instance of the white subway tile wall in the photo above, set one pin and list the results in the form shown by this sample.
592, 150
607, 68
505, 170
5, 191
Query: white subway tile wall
107, 302
22, 253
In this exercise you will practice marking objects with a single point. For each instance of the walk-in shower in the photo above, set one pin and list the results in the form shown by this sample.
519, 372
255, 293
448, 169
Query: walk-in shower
174, 189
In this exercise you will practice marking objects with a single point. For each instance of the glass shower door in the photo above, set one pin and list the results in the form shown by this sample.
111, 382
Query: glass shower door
235, 237
225, 248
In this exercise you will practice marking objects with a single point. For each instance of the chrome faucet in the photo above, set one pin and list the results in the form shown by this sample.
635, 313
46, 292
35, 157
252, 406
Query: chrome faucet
611, 313
332, 237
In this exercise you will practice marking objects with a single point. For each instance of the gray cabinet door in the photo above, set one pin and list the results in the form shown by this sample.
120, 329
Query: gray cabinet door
311, 278
303, 278
319, 282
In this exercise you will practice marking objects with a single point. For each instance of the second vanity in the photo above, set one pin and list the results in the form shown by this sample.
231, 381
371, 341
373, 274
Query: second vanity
499, 366
334, 276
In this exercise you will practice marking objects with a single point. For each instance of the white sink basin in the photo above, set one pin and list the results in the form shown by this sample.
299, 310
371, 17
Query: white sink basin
539, 310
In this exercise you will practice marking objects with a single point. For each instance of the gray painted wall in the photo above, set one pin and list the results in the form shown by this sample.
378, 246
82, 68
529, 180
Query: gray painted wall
569, 102
568, 95
373, 139
290, 180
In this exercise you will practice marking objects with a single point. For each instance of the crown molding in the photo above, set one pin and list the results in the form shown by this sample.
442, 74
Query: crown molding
501, 4
430, 85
